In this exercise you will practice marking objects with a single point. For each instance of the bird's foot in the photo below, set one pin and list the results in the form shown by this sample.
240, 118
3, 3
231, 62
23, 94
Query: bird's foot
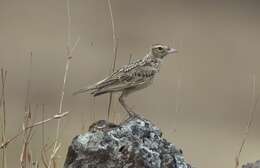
132, 115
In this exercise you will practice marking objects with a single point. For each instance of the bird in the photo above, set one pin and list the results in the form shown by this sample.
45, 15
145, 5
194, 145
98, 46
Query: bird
130, 78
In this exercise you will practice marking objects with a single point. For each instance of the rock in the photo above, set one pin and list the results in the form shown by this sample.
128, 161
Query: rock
252, 165
136, 143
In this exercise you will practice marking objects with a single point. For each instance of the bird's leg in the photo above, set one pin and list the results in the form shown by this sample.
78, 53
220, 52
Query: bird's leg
126, 107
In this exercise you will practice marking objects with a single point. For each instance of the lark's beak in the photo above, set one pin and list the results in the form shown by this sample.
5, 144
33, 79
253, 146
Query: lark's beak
171, 50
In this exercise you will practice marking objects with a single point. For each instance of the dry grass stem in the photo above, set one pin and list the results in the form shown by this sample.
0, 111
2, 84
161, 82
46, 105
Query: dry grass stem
115, 47
44, 158
254, 100
27, 133
69, 58
56, 116
3, 105
29, 81
53, 155
44, 155
43, 126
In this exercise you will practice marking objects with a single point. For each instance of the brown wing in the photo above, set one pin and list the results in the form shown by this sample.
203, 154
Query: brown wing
131, 75
125, 79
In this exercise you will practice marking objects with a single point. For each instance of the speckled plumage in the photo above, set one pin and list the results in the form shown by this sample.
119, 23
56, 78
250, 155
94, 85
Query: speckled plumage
131, 77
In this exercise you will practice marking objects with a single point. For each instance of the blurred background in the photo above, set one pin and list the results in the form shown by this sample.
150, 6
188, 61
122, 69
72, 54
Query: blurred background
201, 99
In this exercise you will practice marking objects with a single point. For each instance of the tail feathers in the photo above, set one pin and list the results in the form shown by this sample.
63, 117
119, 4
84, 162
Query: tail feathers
99, 93
83, 90
95, 92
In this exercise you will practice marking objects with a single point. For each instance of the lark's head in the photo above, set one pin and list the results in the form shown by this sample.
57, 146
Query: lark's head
160, 51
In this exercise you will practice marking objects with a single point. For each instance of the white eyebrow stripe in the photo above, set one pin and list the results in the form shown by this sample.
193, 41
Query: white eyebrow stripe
158, 45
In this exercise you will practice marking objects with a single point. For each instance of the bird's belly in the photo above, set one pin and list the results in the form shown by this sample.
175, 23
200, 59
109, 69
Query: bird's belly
145, 85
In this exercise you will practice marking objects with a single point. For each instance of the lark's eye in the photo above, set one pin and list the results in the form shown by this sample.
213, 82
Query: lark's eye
160, 48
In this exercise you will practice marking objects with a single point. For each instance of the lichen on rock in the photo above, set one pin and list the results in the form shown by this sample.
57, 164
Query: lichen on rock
136, 143
252, 165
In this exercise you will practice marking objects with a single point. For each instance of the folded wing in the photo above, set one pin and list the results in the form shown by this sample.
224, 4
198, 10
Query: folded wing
128, 76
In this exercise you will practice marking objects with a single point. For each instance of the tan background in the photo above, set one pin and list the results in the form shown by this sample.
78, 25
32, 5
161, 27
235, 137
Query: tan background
218, 43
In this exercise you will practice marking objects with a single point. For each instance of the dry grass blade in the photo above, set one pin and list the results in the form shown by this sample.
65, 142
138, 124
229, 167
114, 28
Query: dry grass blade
23, 156
69, 58
3, 105
28, 89
4, 144
26, 157
44, 157
3, 81
250, 121
43, 126
26, 154
115, 47
53, 155
57, 116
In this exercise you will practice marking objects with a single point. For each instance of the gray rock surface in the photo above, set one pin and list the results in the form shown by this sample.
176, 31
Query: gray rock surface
136, 143
252, 165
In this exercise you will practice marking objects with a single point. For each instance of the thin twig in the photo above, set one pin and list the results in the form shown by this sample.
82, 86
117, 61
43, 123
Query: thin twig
68, 26
3, 103
56, 116
53, 155
66, 71
115, 46
43, 126
1, 98
44, 157
250, 121
27, 134
74, 46
69, 58
28, 89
